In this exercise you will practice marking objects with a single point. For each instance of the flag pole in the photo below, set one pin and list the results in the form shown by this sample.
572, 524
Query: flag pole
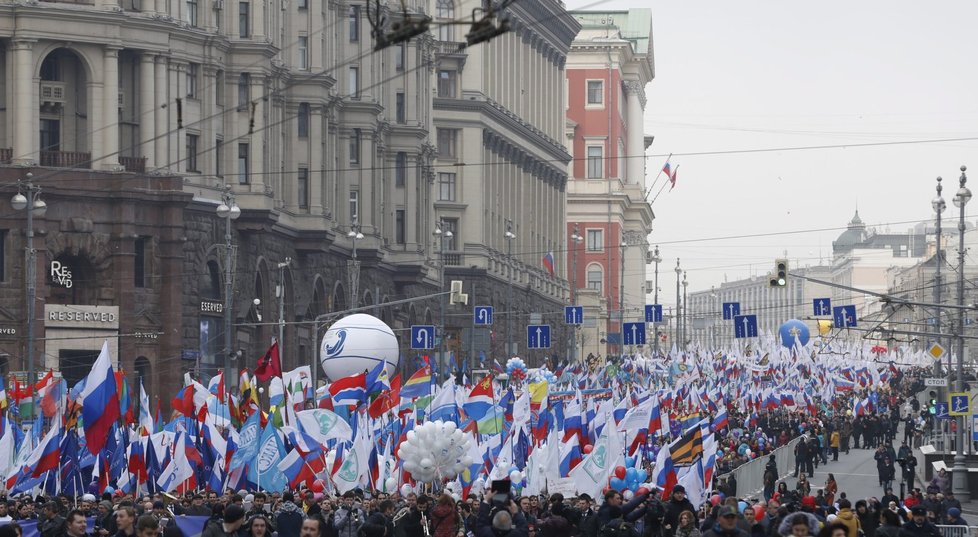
656, 180
663, 187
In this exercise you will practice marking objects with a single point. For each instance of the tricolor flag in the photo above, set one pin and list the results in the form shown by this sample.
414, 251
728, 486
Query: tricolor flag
100, 401
350, 390
548, 262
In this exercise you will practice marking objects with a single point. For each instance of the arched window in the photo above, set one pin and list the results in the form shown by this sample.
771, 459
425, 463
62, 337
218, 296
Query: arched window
595, 277
210, 282
444, 12
143, 370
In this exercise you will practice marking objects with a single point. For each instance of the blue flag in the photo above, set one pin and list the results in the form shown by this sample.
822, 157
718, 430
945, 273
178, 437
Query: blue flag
248, 440
264, 471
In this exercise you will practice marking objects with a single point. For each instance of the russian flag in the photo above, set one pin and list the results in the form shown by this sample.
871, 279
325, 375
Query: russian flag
570, 456
50, 449
548, 262
100, 401
655, 420
721, 421
349, 390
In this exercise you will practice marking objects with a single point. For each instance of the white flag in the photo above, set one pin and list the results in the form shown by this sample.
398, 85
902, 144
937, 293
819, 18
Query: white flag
592, 474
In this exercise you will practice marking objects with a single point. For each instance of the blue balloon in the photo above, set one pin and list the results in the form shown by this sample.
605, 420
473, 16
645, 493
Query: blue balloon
631, 474
741, 505
629, 462
642, 475
618, 484
634, 486
792, 329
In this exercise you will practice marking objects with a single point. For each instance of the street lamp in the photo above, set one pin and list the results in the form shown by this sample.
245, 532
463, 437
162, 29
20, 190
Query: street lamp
442, 233
656, 258
576, 239
228, 210
679, 303
21, 202
938, 205
353, 265
959, 475
510, 236
621, 303
685, 310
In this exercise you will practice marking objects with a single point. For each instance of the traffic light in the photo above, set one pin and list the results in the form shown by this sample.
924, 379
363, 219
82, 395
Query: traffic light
932, 404
780, 276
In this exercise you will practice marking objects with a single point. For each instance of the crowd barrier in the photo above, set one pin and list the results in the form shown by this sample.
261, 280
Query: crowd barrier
958, 531
750, 476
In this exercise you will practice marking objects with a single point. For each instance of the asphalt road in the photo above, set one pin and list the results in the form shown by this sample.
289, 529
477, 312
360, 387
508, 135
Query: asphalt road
855, 473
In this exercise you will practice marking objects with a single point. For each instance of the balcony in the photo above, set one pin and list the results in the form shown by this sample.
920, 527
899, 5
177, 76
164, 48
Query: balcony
454, 259
133, 164
66, 159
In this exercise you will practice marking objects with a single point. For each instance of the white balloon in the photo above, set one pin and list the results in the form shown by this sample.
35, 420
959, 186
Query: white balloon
405, 489
515, 476
627, 495
390, 484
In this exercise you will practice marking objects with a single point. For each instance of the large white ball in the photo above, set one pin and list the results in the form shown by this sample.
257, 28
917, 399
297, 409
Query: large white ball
356, 344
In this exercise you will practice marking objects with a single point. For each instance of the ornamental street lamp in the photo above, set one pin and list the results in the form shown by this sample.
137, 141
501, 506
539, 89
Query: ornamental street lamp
353, 265
656, 258
229, 210
34, 205
959, 475
510, 237
679, 303
576, 239
938, 205
442, 233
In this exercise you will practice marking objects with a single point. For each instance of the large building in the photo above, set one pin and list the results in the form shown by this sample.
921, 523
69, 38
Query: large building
141, 121
608, 208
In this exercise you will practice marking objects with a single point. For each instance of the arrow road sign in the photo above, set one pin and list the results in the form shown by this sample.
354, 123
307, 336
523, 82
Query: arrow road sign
653, 313
482, 315
822, 306
538, 336
844, 316
573, 314
422, 336
634, 333
730, 310
745, 326
959, 404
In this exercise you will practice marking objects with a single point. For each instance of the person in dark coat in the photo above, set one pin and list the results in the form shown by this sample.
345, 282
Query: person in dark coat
288, 517
726, 524
677, 504
612, 508
918, 526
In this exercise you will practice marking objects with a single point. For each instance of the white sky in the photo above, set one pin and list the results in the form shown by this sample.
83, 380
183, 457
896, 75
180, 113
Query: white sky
770, 74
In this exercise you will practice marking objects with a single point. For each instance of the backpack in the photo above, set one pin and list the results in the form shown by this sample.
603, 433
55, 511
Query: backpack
617, 528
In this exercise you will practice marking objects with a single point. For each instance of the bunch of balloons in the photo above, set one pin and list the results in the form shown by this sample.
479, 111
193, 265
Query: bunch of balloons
435, 450
544, 374
628, 477
516, 369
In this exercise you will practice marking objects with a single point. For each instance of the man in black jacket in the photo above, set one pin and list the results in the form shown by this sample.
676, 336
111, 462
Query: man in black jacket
500, 522
677, 504
612, 508
726, 525
918, 526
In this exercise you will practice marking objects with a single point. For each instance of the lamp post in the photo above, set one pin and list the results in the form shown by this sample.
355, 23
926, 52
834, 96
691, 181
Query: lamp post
33, 204
656, 258
685, 310
938, 205
229, 210
441, 234
353, 265
959, 475
679, 272
281, 306
621, 302
510, 237
576, 239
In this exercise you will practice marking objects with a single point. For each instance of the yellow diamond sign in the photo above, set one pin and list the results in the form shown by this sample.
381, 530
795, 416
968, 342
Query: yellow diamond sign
937, 351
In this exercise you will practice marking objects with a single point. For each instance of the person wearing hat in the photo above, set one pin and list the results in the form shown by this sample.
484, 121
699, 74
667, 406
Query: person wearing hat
954, 518
677, 504
234, 516
726, 524
918, 526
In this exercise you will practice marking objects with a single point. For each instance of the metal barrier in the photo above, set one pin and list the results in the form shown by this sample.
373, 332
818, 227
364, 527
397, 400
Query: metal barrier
750, 476
958, 531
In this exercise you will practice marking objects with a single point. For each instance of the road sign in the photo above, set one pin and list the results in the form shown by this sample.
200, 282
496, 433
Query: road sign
422, 336
634, 333
653, 313
482, 315
538, 336
936, 351
573, 314
960, 404
940, 410
730, 310
745, 326
822, 306
937, 383
844, 316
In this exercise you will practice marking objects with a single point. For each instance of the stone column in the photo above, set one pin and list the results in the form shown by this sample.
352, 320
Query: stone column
109, 156
635, 142
25, 106
256, 147
160, 85
147, 105
316, 163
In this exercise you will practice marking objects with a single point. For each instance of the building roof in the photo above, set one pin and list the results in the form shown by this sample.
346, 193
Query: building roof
854, 234
634, 25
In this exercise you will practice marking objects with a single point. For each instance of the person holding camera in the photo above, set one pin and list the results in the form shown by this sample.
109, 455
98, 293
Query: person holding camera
349, 517
499, 516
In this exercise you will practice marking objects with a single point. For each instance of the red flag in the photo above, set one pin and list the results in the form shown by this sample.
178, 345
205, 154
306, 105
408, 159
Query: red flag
672, 178
387, 400
269, 365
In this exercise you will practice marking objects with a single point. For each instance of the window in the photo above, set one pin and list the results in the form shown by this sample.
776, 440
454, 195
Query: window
219, 87
244, 91
400, 232
445, 9
50, 134
244, 19
193, 73
193, 141
595, 92
354, 82
447, 139
218, 157
400, 56
594, 278
594, 161
399, 111
446, 186
243, 173
446, 83
450, 224
302, 4
595, 240
192, 12
303, 120
400, 169
354, 24
354, 205
139, 262
355, 147
302, 182
303, 52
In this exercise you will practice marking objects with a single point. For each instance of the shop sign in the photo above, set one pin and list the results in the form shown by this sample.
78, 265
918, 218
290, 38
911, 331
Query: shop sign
81, 316
61, 274
207, 306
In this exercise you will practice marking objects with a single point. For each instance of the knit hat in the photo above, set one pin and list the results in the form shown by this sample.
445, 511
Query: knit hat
954, 512
233, 513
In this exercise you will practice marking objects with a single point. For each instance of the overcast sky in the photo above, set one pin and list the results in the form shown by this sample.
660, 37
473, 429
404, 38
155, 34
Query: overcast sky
774, 74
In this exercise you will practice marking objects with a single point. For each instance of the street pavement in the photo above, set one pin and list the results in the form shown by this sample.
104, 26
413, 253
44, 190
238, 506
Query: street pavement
855, 473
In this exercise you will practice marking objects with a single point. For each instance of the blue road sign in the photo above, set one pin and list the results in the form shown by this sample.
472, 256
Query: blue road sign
940, 410
573, 314
653, 313
959, 404
482, 315
730, 310
844, 316
822, 306
745, 326
538, 336
422, 336
634, 333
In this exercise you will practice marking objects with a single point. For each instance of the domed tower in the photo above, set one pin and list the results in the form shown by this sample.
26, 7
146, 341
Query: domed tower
854, 235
